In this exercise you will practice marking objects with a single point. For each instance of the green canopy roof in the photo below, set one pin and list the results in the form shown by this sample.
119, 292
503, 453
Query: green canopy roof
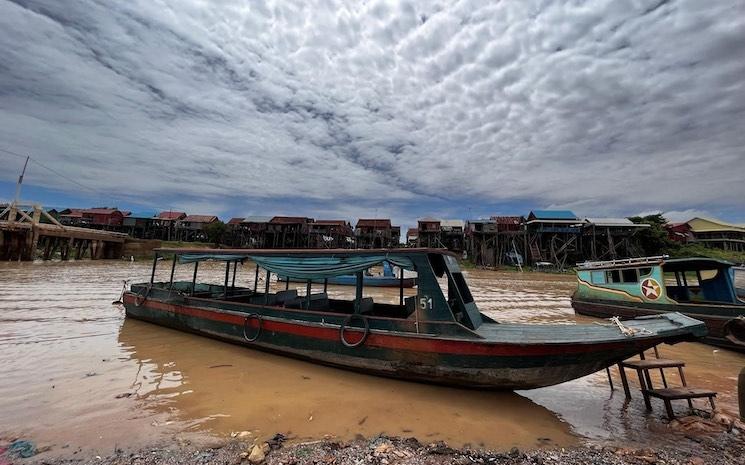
318, 267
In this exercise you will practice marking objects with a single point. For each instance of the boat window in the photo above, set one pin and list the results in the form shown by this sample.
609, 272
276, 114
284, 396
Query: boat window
597, 277
645, 271
460, 282
708, 274
613, 276
629, 276
691, 279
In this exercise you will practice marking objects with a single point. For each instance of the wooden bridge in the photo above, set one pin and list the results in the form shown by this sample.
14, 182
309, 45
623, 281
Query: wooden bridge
28, 230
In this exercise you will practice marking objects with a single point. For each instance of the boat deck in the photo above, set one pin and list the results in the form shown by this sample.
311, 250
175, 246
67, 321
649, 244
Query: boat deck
565, 334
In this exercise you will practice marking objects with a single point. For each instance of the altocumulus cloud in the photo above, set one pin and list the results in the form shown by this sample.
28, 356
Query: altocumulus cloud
603, 106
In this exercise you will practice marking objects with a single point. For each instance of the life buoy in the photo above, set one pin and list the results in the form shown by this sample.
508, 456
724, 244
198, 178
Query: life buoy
346, 322
734, 331
258, 327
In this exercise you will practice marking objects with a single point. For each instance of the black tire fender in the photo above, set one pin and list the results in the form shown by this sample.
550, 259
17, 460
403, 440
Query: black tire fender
248, 318
346, 323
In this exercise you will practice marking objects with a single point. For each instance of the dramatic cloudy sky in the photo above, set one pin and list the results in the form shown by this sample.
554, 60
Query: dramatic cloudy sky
357, 108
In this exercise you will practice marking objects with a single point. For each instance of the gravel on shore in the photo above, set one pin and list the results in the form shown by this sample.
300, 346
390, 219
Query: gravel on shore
723, 448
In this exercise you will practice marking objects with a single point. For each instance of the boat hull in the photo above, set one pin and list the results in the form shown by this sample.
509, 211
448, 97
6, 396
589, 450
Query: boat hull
716, 317
418, 357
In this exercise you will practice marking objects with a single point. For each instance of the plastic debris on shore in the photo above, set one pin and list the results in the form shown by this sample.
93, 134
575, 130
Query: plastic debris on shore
22, 448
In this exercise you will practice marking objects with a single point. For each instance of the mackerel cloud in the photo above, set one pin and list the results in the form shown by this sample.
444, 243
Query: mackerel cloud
602, 105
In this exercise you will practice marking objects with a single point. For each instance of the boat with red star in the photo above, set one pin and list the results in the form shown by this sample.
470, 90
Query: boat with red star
702, 288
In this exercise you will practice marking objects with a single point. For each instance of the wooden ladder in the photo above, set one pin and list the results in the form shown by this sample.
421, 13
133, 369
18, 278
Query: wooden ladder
535, 252
667, 394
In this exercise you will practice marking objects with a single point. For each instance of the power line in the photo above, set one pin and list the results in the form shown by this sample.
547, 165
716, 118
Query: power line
103, 195
77, 183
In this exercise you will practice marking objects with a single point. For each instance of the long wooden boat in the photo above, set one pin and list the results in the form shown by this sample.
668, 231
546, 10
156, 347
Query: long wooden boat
434, 336
701, 288
387, 279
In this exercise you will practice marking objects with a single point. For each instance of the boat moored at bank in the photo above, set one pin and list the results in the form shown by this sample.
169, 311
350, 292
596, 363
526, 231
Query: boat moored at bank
702, 288
437, 335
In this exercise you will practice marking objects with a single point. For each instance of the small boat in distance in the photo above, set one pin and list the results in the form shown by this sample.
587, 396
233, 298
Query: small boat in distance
387, 279
702, 288
437, 336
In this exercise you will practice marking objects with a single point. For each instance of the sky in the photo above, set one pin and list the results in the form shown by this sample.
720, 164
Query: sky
400, 109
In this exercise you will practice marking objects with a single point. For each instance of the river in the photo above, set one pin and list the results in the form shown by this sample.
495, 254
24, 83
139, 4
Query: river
74, 371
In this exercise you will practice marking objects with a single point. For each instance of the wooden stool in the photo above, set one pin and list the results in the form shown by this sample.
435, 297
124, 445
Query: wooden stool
670, 394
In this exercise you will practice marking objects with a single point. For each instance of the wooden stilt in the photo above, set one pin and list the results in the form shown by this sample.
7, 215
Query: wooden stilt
624, 381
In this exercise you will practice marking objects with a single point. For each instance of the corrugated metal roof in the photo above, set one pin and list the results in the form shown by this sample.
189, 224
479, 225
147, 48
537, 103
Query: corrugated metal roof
700, 224
236, 220
373, 223
142, 215
200, 218
257, 219
73, 214
452, 223
615, 222
554, 215
507, 220
330, 222
290, 220
171, 215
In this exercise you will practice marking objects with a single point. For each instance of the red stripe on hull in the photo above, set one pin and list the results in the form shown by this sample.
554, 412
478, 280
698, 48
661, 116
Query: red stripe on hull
396, 342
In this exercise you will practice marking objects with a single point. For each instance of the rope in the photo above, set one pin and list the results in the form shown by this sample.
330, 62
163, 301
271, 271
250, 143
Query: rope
625, 330
121, 296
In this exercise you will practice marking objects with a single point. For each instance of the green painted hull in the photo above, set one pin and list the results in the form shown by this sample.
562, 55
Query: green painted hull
504, 357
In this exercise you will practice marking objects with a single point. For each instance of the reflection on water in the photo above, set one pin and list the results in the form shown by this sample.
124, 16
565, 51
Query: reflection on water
223, 388
73, 370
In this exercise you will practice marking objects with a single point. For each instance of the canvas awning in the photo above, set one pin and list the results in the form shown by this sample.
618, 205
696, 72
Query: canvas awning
307, 267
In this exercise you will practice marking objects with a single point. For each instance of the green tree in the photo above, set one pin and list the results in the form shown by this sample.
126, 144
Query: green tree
654, 240
215, 232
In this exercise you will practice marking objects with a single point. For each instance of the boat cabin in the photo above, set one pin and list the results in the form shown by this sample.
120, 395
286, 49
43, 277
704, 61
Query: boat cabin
442, 295
659, 280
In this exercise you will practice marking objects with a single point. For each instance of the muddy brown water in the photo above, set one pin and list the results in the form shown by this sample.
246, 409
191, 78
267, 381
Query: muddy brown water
74, 371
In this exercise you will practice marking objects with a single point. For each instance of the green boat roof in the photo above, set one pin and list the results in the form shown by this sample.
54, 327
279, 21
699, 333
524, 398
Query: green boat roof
695, 263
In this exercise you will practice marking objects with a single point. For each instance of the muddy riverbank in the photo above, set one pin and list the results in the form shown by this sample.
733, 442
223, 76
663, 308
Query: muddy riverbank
76, 375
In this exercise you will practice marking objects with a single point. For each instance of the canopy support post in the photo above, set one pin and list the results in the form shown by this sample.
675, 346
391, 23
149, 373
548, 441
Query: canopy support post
308, 289
194, 278
235, 268
256, 279
266, 288
287, 283
401, 289
152, 275
325, 285
173, 270
358, 292
227, 275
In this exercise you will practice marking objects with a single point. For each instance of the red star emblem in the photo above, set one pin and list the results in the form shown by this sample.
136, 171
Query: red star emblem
651, 289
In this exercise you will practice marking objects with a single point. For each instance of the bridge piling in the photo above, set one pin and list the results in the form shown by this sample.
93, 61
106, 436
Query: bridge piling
23, 236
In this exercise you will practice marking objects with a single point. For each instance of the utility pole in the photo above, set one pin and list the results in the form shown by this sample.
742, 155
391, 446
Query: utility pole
20, 181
